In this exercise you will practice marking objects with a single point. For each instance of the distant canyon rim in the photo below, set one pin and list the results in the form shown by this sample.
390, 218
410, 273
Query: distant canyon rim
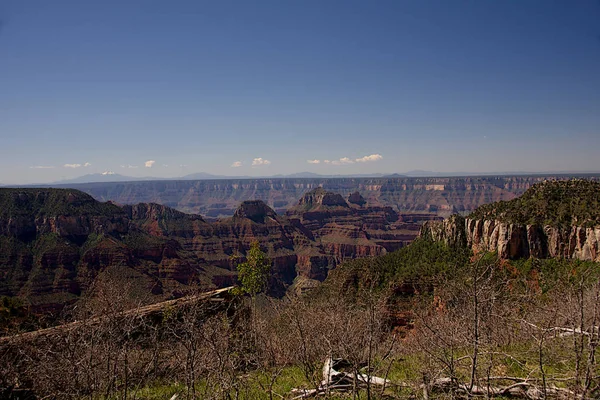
221, 197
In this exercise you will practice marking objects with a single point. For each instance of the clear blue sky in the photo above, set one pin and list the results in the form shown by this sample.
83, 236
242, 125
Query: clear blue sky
196, 86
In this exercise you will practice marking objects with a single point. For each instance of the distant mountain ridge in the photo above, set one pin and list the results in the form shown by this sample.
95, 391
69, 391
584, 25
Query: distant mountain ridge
101, 177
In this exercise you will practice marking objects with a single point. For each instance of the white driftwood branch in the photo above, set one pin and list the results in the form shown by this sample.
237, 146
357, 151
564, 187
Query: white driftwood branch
565, 332
334, 380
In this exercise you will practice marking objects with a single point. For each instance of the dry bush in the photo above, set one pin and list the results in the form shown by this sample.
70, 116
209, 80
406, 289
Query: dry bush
305, 331
464, 331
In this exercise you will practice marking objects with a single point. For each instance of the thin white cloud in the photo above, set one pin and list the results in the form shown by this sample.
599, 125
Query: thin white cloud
347, 160
87, 164
42, 167
236, 164
129, 166
260, 161
314, 161
72, 165
166, 165
342, 161
372, 157
149, 163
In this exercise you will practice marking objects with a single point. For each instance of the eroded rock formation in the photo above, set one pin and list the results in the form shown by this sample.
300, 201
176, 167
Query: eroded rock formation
513, 241
54, 243
554, 218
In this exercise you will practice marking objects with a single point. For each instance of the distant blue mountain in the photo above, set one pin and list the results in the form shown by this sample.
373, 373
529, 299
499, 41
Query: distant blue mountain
103, 177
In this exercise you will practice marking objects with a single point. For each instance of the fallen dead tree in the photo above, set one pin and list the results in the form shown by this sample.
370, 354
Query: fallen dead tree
335, 380
214, 296
524, 388
560, 331
117, 353
339, 381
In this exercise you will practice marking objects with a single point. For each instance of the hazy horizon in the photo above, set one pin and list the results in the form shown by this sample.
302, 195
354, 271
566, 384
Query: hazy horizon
166, 89
106, 178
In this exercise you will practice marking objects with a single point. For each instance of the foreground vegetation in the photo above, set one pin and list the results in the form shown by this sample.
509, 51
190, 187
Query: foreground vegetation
431, 321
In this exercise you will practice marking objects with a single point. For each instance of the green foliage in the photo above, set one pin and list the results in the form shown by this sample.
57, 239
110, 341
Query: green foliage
12, 313
253, 274
93, 240
11, 305
548, 274
554, 203
51, 202
417, 263
140, 241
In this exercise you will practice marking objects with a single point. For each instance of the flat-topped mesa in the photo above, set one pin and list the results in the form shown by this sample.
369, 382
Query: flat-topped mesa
320, 198
356, 198
255, 210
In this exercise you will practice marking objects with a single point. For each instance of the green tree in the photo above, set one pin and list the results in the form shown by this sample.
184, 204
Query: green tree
253, 274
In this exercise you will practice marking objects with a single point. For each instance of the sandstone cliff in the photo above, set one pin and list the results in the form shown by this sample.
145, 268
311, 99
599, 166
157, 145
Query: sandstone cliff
552, 219
515, 241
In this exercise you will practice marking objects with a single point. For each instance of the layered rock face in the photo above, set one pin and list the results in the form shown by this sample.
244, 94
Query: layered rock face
220, 198
256, 210
513, 241
54, 243
551, 219
350, 229
25, 214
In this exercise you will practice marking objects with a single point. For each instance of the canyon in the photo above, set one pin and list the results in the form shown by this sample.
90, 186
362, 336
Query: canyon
55, 243
221, 197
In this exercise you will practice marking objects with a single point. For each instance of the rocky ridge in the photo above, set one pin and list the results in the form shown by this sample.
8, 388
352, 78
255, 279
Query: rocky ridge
560, 226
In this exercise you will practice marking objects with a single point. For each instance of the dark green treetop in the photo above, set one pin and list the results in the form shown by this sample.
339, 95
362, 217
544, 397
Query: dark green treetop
554, 203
